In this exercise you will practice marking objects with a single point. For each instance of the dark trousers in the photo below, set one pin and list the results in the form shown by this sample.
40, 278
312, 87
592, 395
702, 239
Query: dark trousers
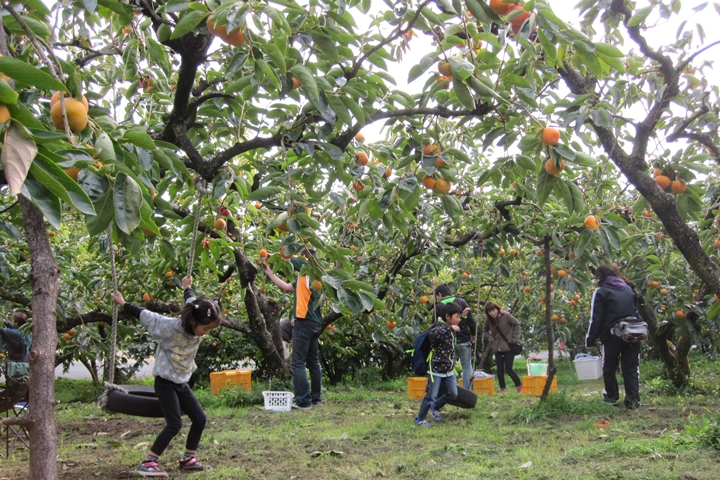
305, 348
615, 351
176, 399
504, 361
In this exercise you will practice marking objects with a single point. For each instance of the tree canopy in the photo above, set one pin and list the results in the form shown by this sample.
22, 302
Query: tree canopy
534, 150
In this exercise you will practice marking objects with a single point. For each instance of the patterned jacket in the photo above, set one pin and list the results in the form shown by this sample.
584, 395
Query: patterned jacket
442, 342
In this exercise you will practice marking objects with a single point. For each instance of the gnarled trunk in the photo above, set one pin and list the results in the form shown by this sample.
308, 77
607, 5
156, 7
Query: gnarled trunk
40, 419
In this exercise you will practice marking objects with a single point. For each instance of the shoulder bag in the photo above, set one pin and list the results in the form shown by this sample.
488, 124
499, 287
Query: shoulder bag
515, 348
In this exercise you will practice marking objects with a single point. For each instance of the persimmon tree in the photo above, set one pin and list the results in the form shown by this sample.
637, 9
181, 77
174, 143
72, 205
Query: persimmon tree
250, 112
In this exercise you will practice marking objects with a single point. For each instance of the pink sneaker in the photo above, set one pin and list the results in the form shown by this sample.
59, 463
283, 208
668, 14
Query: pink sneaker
520, 389
503, 390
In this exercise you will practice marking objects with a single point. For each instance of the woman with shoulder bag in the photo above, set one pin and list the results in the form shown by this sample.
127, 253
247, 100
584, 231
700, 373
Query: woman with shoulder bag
503, 332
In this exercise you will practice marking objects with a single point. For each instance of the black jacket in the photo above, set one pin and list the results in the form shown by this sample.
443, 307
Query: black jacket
612, 301
467, 324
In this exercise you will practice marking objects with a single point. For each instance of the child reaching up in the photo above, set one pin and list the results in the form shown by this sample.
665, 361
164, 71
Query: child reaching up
177, 340
442, 363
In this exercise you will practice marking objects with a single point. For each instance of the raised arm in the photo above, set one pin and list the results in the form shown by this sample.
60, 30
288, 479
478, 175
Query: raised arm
281, 284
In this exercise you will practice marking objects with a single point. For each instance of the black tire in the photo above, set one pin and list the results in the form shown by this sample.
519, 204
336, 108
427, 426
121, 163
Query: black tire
140, 401
465, 399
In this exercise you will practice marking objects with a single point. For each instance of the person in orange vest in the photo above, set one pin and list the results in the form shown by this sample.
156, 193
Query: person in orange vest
305, 334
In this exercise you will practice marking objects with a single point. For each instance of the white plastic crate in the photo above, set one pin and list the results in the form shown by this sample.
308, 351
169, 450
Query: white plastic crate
278, 401
588, 367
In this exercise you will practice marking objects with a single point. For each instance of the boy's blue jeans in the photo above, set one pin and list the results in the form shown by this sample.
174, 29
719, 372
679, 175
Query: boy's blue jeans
432, 392
305, 354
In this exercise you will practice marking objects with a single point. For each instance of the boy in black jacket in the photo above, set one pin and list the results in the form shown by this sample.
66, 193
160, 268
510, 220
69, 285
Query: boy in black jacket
442, 363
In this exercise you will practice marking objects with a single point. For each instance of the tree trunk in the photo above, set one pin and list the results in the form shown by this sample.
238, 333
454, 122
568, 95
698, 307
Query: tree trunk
677, 368
40, 419
552, 369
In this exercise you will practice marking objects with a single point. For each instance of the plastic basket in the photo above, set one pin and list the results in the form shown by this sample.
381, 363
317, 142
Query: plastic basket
416, 387
278, 401
588, 367
534, 386
537, 367
484, 385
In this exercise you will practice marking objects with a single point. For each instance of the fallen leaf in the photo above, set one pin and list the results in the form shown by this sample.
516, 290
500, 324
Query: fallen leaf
602, 423
526, 465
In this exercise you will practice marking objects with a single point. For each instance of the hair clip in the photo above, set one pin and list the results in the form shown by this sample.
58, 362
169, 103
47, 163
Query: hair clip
209, 311
197, 306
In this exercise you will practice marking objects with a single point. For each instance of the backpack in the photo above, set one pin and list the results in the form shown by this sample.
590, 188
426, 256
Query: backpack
630, 329
421, 355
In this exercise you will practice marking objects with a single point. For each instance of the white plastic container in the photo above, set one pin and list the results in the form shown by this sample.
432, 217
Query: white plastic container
588, 367
278, 401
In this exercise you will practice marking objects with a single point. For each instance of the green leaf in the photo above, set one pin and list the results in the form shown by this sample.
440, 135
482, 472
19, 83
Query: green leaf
585, 237
129, 57
140, 139
350, 300
190, 20
482, 89
463, 94
45, 200
355, 108
239, 84
482, 12
584, 159
452, 207
104, 213
128, 199
425, 62
461, 68
526, 162
546, 183
270, 73
608, 50
307, 80
104, 147
159, 56
334, 151
29, 75
639, 16
276, 56
70, 192
571, 195
36, 26
264, 193
611, 236
339, 107
7, 94
564, 151
332, 280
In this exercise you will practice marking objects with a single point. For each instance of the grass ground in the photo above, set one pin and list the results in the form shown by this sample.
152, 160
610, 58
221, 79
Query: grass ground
363, 433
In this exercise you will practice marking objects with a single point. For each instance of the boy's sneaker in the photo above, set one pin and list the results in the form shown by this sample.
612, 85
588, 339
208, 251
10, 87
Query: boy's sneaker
192, 465
318, 402
630, 405
151, 469
435, 414
520, 389
503, 390
295, 406
422, 423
